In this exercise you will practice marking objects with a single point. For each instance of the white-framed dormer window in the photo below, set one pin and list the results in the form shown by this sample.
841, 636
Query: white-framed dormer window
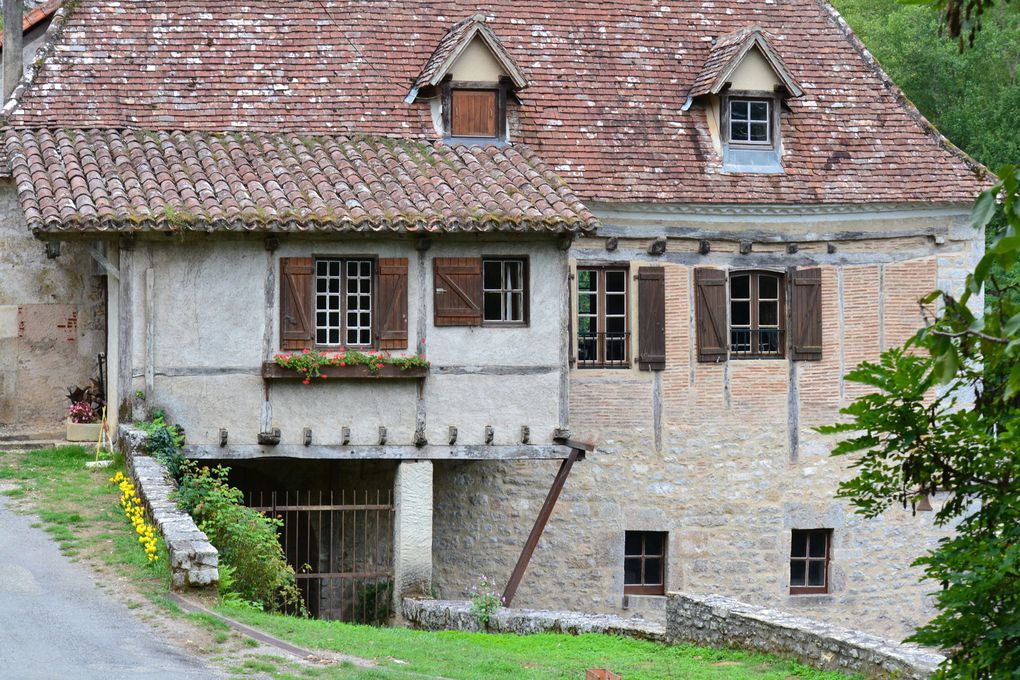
750, 121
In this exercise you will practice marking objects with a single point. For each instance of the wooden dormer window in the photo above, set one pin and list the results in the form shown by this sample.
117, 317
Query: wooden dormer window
474, 112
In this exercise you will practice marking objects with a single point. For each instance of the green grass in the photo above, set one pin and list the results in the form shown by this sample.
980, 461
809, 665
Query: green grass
79, 508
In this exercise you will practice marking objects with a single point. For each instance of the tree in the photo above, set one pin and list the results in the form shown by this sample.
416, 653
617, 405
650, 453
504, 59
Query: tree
946, 416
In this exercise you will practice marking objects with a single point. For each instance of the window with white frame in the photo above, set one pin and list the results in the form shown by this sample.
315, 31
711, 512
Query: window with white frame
503, 290
343, 302
750, 121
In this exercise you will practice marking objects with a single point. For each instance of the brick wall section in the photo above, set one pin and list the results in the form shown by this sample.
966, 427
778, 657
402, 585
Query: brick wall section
862, 305
905, 284
818, 382
723, 622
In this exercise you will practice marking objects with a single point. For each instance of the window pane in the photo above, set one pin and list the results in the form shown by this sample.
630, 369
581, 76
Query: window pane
615, 304
585, 325
653, 571
615, 349
492, 306
768, 313
514, 274
740, 341
740, 287
799, 547
768, 341
759, 132
491, 275
586, 347
615, 325
797, 572
738, 110
616, 281
653, 543
632, 571
516, 307
816, 573
759, 111
739, 131
816, 546
632, 543
586, 280
740, 313
768, 287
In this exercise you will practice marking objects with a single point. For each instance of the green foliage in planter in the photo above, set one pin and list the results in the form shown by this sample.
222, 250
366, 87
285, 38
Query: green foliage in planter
246, 539
310, 362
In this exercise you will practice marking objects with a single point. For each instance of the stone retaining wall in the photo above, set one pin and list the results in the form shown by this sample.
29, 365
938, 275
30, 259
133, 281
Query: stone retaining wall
456, 615
719, 621
194, 562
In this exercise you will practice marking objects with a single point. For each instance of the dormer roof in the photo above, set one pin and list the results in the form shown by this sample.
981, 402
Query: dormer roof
727, 54
452, 46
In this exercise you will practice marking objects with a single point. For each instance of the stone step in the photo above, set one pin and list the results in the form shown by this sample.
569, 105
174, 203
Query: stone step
31, 444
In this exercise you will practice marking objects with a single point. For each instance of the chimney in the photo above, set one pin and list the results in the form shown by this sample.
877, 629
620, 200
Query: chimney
14, 11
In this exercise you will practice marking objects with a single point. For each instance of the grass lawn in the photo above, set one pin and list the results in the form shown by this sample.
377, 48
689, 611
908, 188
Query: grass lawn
80, 509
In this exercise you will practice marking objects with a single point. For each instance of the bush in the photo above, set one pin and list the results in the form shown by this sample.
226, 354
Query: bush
164, 443
247, 540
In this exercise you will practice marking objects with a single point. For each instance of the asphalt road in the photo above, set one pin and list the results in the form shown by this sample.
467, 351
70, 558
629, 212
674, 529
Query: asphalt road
55, 623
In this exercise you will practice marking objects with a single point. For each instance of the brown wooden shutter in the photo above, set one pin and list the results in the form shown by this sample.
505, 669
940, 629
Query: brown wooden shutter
710, 313
458, 291
296, 310
651, 318
391, 301
806, 314
474, 113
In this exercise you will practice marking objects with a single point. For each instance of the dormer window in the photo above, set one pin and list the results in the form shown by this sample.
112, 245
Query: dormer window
750, 122
476, 113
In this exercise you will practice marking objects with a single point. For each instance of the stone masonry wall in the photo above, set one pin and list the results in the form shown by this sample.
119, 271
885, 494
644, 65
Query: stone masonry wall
723, 457
719, 621
194, 562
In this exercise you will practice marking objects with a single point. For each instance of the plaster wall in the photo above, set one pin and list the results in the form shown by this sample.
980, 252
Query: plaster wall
476, 65
753, 74
52, 323
723, 457
204, 316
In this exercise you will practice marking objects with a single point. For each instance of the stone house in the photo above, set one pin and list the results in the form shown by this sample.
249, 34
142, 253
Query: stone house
667, 228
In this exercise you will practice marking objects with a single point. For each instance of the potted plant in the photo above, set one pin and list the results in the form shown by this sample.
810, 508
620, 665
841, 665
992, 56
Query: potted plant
83, 415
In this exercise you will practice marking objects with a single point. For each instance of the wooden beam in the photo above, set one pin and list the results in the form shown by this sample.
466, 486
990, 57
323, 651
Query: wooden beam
540, 522
376, 452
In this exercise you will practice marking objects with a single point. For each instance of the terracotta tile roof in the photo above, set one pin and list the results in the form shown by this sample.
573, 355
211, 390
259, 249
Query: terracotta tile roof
36, 15
133, 180
607, 83
726, 53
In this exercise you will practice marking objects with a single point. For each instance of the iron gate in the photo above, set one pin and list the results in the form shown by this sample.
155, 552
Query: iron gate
341, 547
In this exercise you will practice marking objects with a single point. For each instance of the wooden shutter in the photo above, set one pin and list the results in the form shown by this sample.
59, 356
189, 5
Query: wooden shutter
474, 113
651, 318
458, 291
710, 313
391, 298
296, 310
806, 314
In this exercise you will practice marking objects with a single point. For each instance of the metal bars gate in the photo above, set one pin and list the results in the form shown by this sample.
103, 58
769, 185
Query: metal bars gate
341, 547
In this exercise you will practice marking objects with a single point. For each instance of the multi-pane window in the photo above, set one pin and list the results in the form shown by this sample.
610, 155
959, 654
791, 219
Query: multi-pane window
503, 293
602, 335
750, 121
809, 561
756, 313
343, 302
644, 563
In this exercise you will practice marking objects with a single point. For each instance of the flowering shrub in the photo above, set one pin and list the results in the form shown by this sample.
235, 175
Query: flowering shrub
81, 412
485, 600
310, 362
134, 511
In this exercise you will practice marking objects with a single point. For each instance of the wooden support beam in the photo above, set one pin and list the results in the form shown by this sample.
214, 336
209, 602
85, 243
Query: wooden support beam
540, 522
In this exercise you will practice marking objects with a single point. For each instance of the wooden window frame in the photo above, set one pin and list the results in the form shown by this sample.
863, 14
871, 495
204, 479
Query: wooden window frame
783, 322
646, 588
600, 316
773, 126
499, 88
807, 560
374, 327
526, 292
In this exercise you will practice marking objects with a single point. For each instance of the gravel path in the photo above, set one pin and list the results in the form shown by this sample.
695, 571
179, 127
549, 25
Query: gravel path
56, 623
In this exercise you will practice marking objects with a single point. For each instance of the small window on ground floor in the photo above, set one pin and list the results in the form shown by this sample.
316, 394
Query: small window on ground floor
809, 561
644, 563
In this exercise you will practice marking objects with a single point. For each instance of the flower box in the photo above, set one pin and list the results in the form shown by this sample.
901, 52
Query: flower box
83, 432
272, 371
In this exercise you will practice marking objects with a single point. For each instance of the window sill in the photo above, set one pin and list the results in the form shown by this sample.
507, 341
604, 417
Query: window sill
273, 371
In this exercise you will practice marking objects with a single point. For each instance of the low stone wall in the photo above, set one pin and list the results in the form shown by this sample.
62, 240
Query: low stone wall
719, 621
456, 615
194, 562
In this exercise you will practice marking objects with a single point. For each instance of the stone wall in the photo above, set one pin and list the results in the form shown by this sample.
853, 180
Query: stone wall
722, 457
456, 615
194, 562
719, 621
